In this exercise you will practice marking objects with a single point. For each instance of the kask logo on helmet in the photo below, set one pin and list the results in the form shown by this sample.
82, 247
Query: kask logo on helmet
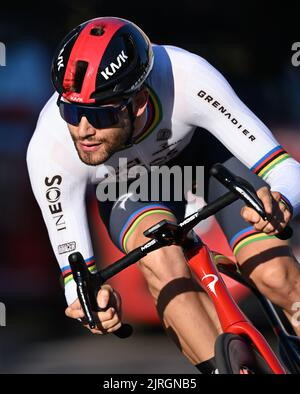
60, 60
113, 67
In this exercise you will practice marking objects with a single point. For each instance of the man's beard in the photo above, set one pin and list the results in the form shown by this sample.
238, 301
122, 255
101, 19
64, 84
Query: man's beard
106, 149
94, 158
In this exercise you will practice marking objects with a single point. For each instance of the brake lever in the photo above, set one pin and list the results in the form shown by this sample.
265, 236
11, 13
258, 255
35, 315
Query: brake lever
238, 185
87, 287
247, 193
81, 277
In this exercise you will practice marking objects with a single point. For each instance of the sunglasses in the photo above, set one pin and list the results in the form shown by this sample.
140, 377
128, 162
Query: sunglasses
99, 117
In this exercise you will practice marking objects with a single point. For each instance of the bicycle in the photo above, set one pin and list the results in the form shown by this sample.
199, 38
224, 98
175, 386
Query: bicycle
241, 348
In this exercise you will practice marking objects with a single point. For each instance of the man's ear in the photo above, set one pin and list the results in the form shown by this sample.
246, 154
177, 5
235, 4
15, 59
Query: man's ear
140, 101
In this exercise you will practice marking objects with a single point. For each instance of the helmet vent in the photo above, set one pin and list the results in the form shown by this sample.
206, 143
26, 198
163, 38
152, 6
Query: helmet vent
81, 67
97, 31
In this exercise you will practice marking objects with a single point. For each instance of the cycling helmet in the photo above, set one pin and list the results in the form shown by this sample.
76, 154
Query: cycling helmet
101, 59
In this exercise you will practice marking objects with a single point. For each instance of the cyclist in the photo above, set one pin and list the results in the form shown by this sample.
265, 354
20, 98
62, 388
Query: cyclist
118, 96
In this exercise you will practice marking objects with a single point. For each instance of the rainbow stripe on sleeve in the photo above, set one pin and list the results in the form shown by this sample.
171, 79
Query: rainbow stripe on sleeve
67, 272
269, 161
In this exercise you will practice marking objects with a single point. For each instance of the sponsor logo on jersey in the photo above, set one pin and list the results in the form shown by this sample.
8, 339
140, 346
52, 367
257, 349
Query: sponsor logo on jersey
68, 247
163, 134
113, 67
53, 194
223, 110
167, 145
120, 203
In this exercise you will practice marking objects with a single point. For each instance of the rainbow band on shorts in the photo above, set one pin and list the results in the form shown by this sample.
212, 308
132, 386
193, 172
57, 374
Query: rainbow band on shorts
135, 219
246, 237
67, 272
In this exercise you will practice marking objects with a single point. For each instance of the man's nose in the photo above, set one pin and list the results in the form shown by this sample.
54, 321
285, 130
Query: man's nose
85, 129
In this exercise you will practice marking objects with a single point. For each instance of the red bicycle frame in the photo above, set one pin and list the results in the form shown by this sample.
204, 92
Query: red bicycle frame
200, 260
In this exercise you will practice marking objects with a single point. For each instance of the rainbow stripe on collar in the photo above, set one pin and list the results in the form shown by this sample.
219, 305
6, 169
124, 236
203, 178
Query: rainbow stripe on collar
154, 116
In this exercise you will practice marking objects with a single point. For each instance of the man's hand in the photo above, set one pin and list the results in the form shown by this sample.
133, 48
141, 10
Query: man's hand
273, 206
108, 320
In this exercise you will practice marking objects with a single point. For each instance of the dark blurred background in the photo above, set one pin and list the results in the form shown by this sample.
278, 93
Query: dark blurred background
249, 42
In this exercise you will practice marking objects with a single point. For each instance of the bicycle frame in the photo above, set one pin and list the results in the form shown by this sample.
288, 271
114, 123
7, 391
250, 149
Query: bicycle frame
232, 320
289, 343
200, 260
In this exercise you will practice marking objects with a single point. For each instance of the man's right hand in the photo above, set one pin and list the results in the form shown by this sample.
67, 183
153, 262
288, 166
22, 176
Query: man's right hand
108, 320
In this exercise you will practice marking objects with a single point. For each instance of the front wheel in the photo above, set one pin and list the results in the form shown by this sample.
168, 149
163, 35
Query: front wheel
234, 355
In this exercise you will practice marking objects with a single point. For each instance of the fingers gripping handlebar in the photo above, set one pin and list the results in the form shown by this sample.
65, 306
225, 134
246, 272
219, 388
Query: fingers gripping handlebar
88, 285
246, 192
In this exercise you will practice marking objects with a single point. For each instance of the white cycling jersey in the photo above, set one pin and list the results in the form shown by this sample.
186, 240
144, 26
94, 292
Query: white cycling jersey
186, 92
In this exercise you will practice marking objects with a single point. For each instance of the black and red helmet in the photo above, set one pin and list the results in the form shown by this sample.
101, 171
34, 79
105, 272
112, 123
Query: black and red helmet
100, 59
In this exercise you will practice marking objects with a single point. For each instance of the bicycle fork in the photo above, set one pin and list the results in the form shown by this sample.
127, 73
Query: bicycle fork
232, 319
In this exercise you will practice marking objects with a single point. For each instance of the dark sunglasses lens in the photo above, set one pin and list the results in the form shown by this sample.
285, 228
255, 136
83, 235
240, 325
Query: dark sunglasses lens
69, 113
97, 117
101, 118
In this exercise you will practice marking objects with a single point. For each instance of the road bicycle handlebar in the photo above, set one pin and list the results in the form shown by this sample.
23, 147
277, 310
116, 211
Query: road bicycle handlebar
87, 289
163, 233
247, 193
